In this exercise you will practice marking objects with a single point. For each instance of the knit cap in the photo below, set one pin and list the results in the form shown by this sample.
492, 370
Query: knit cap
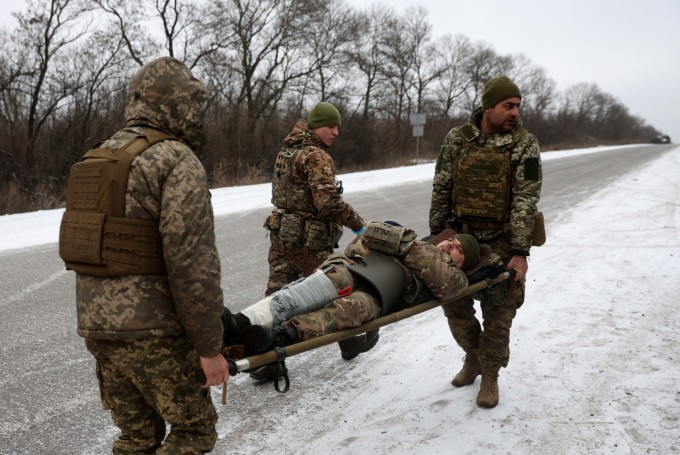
470, 250
323, 114
498, 89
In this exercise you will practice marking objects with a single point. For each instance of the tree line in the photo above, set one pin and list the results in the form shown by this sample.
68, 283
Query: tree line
65, 67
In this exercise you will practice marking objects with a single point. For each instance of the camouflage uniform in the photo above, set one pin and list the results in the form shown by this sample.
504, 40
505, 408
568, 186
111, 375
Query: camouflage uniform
422, 260
509, 237
147, 331
312, 199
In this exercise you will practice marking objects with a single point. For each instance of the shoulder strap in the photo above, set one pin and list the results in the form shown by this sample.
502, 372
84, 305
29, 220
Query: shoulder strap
125, 156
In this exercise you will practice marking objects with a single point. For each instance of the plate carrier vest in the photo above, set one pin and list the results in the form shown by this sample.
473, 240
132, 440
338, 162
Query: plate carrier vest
484, 181
95, 237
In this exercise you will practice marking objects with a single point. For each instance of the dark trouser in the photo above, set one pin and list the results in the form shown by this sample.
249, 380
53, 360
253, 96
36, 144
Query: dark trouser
493, 342
148, 383
289, 262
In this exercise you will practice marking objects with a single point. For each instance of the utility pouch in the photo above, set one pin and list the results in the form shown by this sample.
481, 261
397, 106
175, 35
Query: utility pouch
387, 238
291, 228
80, 237
538, 236
273, 221
317, 235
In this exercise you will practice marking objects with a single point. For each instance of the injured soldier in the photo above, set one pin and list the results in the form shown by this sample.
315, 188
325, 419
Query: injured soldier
382, 271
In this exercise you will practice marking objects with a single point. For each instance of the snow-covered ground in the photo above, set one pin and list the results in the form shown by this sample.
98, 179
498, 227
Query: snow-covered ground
595, 365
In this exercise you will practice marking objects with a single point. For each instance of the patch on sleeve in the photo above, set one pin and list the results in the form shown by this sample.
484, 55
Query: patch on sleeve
531, 169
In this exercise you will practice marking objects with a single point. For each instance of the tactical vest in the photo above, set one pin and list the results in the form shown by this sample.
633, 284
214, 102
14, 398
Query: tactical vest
484, 181
95, 238
286, 194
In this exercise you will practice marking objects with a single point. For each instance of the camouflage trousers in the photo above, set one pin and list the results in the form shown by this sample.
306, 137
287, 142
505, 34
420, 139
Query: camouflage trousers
148, 383
342, 313
289, 262
493, 342
352, 310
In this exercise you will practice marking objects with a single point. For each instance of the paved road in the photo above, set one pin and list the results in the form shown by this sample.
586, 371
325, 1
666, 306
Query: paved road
49, 402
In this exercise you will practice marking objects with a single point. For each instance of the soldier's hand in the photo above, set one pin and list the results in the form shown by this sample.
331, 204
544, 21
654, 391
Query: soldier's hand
216, 370
520, 265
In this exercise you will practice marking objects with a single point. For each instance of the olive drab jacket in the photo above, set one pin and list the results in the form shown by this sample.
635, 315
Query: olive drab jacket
506, 166
167, 183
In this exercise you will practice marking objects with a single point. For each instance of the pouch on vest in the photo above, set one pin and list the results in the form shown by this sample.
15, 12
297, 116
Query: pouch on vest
292, 228
273, 221
320, 235
388, 238
538, 237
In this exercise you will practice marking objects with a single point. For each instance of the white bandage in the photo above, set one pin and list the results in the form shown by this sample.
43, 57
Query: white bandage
260, 313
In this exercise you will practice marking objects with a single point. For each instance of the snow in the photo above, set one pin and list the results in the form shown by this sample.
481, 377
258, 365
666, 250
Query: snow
595, 348
42, 227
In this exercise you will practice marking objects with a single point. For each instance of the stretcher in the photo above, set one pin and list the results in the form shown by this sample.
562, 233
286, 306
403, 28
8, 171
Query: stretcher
278, 355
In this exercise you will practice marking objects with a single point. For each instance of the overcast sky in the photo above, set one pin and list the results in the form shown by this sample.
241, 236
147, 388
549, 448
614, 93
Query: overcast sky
629, 48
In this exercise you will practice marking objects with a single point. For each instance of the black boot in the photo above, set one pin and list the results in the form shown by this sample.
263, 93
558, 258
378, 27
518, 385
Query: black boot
258, 339
233, 326
264, 339
352, 347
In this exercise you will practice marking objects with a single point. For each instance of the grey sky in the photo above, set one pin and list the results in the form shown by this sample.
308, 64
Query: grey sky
629, 48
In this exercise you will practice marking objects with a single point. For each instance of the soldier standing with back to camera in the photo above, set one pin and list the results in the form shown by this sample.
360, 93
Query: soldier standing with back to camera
487, 183
138, 229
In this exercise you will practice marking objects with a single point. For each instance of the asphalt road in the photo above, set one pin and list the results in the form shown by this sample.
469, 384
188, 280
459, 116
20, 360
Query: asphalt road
49, 401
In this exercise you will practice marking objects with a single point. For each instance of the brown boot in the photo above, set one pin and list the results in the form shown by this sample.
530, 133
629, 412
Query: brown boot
471, 369
488, 390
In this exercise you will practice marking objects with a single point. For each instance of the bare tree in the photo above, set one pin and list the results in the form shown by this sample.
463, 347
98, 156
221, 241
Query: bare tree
268, 59
483, 64
366, 55
46, 30
453, 83
330, 27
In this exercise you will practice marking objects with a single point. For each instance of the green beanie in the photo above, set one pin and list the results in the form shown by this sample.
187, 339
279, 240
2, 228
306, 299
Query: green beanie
498, 89
470, 249
323, 114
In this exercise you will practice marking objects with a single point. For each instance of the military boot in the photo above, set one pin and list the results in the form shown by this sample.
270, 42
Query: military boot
471, 369
488, 390
233, 326
352, 347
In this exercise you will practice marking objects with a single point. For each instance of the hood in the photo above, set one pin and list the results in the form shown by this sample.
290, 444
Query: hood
164, 94
302, 135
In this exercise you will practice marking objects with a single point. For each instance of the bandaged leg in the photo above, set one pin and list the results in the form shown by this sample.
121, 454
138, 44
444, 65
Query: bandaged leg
299, 297
260, 313
309, 294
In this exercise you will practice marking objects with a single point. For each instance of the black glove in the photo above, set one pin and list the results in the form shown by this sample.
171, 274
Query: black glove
488, 272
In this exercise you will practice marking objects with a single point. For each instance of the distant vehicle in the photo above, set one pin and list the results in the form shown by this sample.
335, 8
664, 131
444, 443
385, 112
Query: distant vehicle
662, 139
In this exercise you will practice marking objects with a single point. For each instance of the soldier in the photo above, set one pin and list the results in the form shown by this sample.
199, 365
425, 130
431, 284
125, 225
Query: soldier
372, 278
310, 212
487, 183
138, 230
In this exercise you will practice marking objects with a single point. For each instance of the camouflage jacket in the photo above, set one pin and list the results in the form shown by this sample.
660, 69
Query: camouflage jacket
314, 167
425, 261
167, 183
525, 183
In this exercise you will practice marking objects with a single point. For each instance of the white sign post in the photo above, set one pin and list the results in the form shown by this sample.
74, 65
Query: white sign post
418, 122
